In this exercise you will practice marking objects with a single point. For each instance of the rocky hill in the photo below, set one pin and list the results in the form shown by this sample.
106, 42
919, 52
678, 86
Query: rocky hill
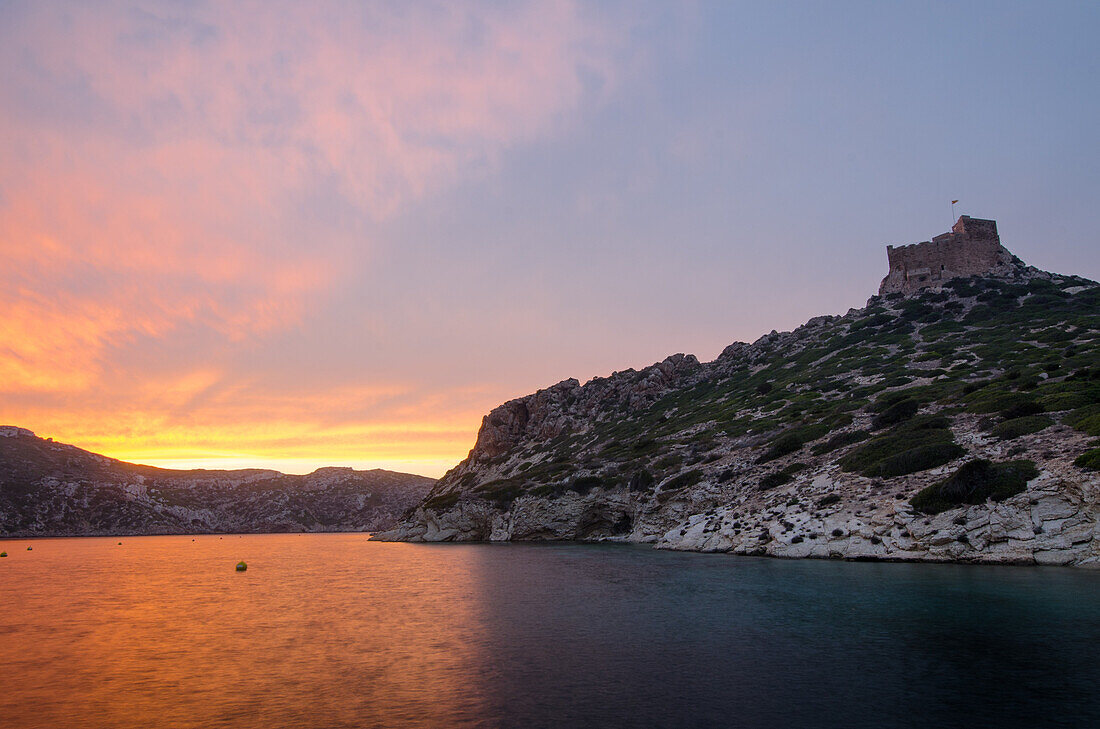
51, 489
955, 420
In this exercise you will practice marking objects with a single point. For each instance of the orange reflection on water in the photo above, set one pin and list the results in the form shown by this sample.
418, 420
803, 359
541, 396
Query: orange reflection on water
162, 631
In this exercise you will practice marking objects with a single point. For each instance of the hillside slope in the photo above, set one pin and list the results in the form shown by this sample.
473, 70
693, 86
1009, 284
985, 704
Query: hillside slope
52, 489
955, 423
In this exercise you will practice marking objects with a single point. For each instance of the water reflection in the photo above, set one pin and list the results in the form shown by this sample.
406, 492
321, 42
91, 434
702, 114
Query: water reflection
163, 632
621, 636
332, 630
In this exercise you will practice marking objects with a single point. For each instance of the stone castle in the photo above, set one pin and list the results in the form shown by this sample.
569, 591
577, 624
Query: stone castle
971, 248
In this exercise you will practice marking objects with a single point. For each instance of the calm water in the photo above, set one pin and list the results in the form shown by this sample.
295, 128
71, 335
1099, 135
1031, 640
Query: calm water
332, 630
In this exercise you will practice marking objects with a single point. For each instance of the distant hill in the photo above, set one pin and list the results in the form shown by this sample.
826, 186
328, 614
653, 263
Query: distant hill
954, 418
52, 489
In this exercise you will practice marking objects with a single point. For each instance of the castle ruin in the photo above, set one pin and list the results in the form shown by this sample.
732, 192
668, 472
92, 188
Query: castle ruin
971, 248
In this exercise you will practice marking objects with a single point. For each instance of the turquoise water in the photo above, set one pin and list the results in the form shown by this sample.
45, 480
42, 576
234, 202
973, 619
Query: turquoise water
333, 630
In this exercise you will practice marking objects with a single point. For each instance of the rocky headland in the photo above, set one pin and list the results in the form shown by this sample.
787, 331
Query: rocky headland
53, 489
953, 418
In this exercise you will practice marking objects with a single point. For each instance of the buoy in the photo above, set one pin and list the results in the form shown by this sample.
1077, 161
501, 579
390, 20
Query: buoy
241, 566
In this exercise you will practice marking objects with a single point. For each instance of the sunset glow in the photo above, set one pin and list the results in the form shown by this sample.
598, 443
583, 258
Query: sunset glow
287, 235
167, 176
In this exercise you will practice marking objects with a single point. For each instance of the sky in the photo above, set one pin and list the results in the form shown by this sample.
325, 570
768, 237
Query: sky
291, 235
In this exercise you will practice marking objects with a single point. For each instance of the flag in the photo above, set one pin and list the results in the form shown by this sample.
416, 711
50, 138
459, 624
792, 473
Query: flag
954, 201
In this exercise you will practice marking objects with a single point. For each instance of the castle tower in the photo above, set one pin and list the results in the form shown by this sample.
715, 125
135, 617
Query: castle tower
972, 248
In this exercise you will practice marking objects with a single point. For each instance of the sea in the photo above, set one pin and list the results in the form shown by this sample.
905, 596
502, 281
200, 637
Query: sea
333, 630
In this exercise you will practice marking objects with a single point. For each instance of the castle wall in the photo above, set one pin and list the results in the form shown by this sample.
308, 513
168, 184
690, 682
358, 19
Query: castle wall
971, 248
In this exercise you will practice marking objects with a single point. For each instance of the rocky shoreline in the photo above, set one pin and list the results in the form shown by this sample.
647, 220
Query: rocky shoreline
1055, 521
955, 421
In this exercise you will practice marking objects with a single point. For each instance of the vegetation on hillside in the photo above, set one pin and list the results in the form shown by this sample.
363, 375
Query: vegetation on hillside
975, 482
881, 389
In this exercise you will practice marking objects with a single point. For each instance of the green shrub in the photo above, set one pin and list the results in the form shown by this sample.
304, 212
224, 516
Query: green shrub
964, 287
888, 400
584, 484
872, 322
810, 433
934, 332
775, 479
923, 442
687, 478
973, 483
782, 476
972, 387
985, 401
914, 309
840, 420
550, 490
641, 481
1016, 427
788, 442
839, 441
1040, 302
917, 459
1022, 408
925, 422
1053, 335
828, 499
1027, 383
1042, 286
501, 492
979, 313
999, 300
1068, 400
1086, 419
900, 411
1089, 460
669, 462
442, 502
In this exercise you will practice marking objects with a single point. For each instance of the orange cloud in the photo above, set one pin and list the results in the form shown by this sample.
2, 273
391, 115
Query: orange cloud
201, 418
167, 188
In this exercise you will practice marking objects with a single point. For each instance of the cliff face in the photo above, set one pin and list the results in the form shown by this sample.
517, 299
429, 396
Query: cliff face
556, 410
954, 423
52, 489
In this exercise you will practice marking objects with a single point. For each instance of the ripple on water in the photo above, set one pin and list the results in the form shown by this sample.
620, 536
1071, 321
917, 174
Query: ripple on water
331, 630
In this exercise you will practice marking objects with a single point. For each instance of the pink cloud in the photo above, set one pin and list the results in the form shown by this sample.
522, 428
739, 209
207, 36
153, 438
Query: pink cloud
160, 161
154, 151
